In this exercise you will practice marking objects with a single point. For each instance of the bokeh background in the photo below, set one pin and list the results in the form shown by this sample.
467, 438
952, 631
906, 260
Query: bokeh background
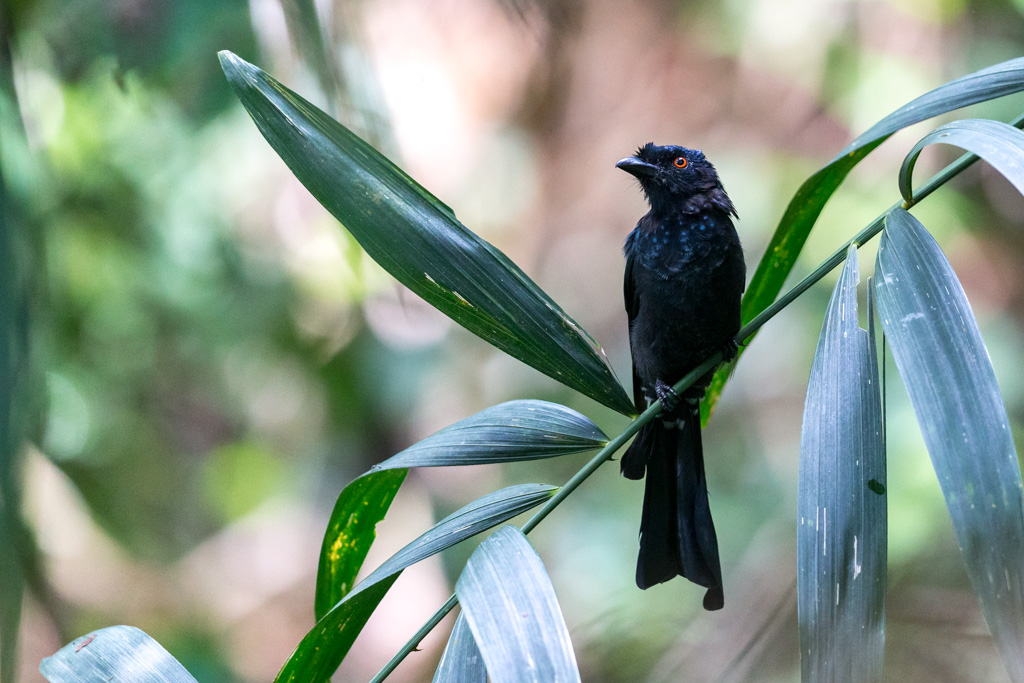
220, 359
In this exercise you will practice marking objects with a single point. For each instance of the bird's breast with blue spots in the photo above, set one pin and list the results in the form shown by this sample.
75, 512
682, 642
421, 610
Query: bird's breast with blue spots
673, 245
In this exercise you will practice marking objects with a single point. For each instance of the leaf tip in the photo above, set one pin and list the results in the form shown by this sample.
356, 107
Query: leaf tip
234, 67
227, 58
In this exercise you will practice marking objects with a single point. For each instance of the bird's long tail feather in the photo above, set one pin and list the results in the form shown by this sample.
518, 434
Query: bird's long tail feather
677, 534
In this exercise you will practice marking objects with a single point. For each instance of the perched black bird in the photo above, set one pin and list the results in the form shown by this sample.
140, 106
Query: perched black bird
684, 280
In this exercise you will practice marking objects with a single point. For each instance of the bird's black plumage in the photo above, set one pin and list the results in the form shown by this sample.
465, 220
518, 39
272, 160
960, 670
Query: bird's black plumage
683, 283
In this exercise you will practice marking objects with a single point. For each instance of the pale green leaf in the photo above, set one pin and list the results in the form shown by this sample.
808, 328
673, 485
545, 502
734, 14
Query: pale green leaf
944, 364
841, 506
513, 613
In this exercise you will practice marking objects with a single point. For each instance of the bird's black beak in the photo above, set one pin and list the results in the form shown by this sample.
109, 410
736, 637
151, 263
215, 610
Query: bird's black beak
636, 167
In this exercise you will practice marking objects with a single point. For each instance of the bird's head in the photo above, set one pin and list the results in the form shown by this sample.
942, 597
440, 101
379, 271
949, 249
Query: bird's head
677, 179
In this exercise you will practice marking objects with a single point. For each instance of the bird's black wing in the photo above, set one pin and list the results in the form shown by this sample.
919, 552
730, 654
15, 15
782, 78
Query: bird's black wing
632, 301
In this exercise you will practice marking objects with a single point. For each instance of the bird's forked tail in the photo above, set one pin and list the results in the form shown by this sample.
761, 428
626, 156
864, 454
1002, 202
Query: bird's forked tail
677, 534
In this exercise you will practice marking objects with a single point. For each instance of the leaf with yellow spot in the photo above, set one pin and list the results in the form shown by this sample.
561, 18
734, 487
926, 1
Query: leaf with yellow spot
327, 643
350, 533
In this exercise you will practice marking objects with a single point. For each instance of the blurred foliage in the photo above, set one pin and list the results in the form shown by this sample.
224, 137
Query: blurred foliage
220, 359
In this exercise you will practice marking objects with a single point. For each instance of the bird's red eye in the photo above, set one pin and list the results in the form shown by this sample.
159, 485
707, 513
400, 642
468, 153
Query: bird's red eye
680, 162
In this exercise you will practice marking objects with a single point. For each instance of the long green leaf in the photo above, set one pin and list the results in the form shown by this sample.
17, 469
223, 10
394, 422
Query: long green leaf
841, 538
508, 432
122, 654
513, 613
806, 205
18, 377
482, 514
13, 353
325, 646
417, 239
952, 386
516, 430
350, 533
461, 661
998, 143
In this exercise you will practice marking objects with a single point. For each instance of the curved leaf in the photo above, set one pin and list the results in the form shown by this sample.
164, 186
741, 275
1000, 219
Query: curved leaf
13, 361
952, 386
513, 613
508, 432
482, 514
19, 409
998, 143
806, 205
417, 239
841, 538
461, 661
122, 654
350, 533
325, 646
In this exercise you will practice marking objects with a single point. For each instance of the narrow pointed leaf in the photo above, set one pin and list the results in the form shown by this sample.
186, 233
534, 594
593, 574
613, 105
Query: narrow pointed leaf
350, 533
122, 654
322, 649
806, 205
13, 352
508, 432
417, 239
946, 368
18, 382
461, 661
484, 513
841, 538
513, 613
998, 143
325, 646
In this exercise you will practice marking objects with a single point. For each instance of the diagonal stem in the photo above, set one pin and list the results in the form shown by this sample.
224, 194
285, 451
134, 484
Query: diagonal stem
748, 330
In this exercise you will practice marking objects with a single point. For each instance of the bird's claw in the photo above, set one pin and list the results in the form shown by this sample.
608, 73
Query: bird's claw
667, 395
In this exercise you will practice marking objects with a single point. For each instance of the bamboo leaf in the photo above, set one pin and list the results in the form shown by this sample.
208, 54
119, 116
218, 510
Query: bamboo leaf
350, 533
508, 432
806, 205
116, 653
417, 239
325, 646
998, 143
461, 661
484, 513
513, 613
952, 386
13, 354
19, 379
841, 537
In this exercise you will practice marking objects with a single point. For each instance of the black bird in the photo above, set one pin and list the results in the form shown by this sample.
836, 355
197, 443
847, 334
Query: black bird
684, 279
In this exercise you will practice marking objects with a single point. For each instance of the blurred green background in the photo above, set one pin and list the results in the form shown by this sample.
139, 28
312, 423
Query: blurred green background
220, 359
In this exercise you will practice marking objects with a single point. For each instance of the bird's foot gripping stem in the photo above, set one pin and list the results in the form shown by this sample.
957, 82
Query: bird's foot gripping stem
667, 395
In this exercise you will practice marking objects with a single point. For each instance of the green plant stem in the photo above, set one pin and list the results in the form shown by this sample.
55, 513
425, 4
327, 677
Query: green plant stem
411, 644
748, 330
